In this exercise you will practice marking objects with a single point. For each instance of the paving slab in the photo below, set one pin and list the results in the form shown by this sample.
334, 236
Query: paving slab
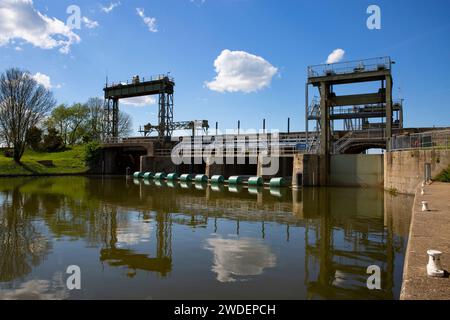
429, 230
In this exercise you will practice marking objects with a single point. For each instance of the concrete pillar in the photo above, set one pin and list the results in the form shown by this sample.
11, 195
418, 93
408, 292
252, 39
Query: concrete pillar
147, 164
213, 168
305, 170
297, 170
109, 160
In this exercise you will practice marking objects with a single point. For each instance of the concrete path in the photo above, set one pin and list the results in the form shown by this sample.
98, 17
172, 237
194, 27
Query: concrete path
429, 230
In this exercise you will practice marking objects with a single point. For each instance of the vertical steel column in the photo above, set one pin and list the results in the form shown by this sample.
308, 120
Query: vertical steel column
162, 115
388, 111
324, 160
324, 120
106, 132
306, 114
115, 118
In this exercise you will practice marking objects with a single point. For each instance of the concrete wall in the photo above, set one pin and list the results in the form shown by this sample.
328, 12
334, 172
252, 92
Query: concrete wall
305, 170
356, 170
404, 170
157, 164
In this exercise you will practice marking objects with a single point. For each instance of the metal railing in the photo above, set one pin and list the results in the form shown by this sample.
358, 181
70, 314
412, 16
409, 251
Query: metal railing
143, 79
425, 140
366, 65
121, 140
357, 136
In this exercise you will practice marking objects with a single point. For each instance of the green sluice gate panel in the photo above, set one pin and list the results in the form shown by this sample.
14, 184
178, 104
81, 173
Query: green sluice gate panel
235, 180
255, 181
201, 178
217, 179
160, 176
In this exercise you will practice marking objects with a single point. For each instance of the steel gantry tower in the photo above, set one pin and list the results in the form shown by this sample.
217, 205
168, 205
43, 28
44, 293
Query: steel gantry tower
354, 111
160, 85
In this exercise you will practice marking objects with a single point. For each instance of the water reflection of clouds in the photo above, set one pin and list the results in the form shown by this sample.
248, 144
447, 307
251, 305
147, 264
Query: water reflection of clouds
133, 232
38, 289
236, 258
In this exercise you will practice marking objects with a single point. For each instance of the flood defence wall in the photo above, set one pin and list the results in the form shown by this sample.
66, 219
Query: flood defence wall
356, 170
404, 170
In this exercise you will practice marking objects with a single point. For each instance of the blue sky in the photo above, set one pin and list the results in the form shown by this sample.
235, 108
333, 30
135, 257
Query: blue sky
186, 37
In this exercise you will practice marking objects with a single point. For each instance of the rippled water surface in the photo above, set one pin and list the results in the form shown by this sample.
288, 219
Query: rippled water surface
146, 240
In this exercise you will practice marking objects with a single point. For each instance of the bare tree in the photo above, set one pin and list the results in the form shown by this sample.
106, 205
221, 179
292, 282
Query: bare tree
95, 124
125, 124
23, 103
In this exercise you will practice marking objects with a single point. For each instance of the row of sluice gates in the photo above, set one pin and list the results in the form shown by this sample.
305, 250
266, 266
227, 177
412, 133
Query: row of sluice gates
215, 180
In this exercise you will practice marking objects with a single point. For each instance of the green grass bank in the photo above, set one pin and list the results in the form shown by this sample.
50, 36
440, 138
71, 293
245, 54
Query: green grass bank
70, 161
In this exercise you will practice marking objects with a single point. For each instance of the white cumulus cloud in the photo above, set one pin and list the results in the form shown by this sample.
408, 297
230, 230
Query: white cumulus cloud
336, 56
90, 24
44, 80
150, 22
110, 7
139, 101
241, 71
20, 20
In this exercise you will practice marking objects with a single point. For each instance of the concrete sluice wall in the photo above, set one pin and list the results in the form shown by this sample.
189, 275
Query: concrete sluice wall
356, 170
404, 170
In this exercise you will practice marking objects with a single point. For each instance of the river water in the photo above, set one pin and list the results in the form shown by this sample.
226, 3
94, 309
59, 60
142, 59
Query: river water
145, 240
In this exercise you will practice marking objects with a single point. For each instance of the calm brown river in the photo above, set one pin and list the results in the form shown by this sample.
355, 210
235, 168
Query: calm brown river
142, 240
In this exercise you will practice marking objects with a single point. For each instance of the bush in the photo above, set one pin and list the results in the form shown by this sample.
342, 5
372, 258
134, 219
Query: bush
8, 153
92, 152
53, 141
34, 138
444, 176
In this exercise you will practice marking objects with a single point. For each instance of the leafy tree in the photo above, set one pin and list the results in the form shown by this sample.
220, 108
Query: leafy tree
23, 103
82, 123
92, 152
78, 116
60, 121
34, 138
53, 141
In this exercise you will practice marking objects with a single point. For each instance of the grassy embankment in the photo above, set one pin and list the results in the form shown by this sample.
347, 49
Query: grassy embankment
70, 161
444, 176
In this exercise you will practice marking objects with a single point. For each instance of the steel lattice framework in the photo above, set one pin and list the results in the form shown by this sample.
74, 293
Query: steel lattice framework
161, 85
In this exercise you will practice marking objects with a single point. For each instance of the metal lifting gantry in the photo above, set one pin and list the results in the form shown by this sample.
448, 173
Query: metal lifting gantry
161, 85
353, 110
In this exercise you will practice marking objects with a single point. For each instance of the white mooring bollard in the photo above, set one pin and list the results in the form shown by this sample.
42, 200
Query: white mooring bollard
422, 191
434, 268
425, 206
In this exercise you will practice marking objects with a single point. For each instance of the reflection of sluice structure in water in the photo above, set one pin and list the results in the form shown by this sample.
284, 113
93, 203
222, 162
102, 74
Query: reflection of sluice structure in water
116, 256
340, 246
344, 230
